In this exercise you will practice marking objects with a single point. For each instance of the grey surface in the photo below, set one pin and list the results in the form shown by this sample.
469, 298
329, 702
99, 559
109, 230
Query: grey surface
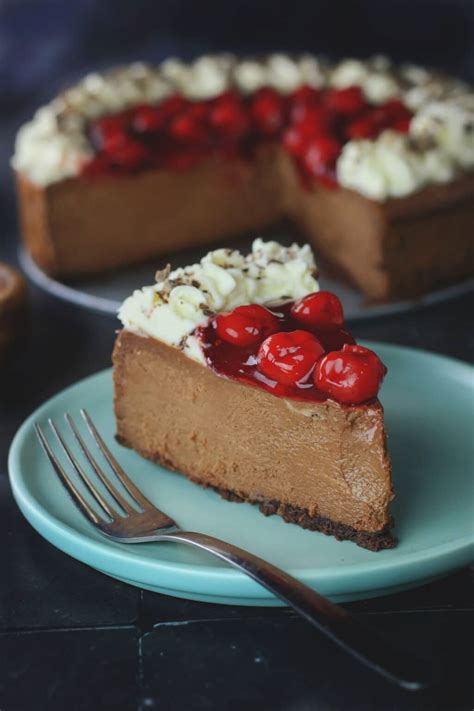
104, 293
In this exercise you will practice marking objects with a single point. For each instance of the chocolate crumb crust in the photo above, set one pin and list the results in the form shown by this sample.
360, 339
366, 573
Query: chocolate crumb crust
371, 540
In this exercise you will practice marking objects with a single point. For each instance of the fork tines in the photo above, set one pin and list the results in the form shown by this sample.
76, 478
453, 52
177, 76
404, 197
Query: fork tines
120, 507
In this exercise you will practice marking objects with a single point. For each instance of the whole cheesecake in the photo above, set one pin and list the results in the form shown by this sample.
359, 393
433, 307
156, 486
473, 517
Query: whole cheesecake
238, 373
371, 162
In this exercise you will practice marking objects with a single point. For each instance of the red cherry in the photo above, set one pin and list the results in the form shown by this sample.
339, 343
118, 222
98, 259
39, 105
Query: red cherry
111, 133
321, 155
268, 321
351, 375
227, 115
132, 155
188, 124
363, 127
333, 339
302, 110
391, 114
380, 119
289, 358
172, 105
246, 325
267, 108
402, 125
147, 119
180, 159
98, 166
313, 122
319, 310
396, 110
182, 127
347, 101
305, 95
294, 141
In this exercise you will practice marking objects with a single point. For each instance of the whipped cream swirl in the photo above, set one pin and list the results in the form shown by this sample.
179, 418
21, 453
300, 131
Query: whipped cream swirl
183, 299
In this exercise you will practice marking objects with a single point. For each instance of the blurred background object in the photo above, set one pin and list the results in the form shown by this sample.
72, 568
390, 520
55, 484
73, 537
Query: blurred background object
13, 309
46, 45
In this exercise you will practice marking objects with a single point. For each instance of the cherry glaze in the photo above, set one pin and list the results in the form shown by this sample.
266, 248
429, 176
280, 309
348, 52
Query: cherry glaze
240, 363
311, 124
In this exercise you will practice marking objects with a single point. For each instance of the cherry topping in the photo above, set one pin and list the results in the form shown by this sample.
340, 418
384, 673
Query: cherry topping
289, 358
311, 124
147, 119
110, 133
246, 325
182, 159
132, 155
188, 125
396, 110
347, 101
227, 115
390, 114
315, 121
305, 95
364, 127
301, 110
267, 109
96, 167
333, 339
172, 106
352, 375
402, 125
321, 155
297, 137
293, 140
319, 310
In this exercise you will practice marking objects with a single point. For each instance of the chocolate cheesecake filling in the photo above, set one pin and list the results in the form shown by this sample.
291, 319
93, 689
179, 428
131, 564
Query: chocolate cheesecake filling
322, 465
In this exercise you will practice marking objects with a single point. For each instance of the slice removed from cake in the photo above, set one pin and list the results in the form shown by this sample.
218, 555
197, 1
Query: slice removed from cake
275, 405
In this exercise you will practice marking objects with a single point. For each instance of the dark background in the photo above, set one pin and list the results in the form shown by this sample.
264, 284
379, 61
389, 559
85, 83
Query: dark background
71, 638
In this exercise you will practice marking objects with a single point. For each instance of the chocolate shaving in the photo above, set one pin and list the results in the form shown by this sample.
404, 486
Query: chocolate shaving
163, 274
206, 310
421, 143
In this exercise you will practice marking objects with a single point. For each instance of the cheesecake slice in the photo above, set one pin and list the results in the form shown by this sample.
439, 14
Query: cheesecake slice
370, 162
238, 373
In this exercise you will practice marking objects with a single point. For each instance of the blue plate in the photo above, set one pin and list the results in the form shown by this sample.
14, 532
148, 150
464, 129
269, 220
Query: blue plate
429, 411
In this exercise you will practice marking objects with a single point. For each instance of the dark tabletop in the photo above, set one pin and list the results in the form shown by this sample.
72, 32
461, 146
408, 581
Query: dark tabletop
71, 638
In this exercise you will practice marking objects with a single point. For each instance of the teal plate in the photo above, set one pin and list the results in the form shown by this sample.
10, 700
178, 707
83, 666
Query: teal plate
429, 414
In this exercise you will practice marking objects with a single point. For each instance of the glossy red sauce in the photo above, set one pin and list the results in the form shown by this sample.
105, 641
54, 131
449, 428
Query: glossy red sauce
240, 363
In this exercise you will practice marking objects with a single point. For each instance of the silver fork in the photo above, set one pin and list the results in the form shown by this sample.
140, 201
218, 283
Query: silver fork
144, 522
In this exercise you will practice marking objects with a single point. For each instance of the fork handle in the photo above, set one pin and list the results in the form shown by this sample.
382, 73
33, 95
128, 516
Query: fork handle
360, 640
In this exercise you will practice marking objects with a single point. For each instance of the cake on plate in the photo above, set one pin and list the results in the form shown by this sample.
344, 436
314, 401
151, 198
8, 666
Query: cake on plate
238, 372
372, 163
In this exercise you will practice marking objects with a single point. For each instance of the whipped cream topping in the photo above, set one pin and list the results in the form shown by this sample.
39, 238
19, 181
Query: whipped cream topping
392, 166
449, 125
183, 299
54, 145
439, 145
375, 78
